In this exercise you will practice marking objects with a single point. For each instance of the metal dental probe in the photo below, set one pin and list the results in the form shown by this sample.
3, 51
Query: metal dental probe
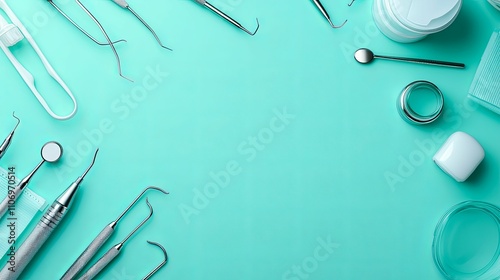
111, 254
100, 239
51, 152
106, 36
125, 5
6, 143
78, 26
161, 264
49, 221
226, 17
326, 15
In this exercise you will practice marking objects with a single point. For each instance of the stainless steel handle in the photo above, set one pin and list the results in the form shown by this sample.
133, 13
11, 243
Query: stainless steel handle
35, 240
89, 253
423, 61
101, 263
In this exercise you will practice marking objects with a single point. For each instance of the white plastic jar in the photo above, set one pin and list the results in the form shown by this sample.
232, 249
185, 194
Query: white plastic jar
409, 21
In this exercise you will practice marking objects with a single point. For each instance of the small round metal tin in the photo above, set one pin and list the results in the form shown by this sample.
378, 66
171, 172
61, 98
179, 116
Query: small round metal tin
467, 242
409, 114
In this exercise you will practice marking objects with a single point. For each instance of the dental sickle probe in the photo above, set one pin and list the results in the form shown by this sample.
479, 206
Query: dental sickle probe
45, 227
226, 17
117, 57
6, 143
79, 27
125, 5
111, 254
100, 239
326, 15
165, 255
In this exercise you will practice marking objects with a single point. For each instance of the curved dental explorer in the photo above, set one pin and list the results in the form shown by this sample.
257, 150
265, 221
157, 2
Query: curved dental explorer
352, 2
100, 239
326, 15
6, 143
161, 264
107, 38
111, 254
125, 5
44, 229
228, 18
80, 28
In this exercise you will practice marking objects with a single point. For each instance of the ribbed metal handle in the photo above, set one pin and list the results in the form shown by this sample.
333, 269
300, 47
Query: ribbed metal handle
35, 240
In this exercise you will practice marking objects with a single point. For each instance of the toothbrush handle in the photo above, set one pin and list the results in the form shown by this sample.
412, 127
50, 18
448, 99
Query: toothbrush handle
35, 241
89, 253
102, 263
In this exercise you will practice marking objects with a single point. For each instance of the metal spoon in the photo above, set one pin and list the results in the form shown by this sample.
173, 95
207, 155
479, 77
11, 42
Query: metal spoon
366, 56
51, 152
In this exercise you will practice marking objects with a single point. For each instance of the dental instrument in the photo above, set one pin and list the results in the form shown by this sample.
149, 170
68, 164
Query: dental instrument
365, 56
350, 4
111, 254
125, 5
107, 38
226, 17
45, 227
51, 152
100, 239
78, 26
326, 15
6, 143
161, 264
13, 33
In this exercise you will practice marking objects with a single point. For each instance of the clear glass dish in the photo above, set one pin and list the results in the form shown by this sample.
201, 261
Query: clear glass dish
467, 242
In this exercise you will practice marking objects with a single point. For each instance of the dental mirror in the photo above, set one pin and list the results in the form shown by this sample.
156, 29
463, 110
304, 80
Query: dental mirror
51, 152
365, 56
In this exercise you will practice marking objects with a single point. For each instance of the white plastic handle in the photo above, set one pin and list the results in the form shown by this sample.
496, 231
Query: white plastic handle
26, 75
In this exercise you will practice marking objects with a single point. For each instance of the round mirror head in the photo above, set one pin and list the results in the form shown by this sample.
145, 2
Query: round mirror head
52, 151
363, 56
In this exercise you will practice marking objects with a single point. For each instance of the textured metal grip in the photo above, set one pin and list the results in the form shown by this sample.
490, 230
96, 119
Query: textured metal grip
35, 240
89, 252
4, 205
101, 263
201, 1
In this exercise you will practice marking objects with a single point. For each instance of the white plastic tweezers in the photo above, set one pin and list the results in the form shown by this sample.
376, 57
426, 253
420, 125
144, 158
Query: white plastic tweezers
11, 34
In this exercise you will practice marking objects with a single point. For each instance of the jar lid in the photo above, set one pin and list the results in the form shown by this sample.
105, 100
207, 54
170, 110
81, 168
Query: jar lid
426, 15
467, 242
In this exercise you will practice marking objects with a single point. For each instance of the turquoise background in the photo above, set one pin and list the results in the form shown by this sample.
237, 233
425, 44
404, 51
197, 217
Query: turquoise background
319, 177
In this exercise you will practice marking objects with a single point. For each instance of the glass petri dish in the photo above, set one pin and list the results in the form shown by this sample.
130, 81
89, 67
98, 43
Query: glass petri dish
467, 242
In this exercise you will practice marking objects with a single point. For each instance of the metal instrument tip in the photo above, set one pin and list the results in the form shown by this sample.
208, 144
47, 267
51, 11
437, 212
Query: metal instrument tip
91, 165
18, 121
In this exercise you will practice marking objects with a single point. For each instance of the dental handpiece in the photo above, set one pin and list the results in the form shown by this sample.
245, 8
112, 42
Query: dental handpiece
100, 239
49, 221
6, 143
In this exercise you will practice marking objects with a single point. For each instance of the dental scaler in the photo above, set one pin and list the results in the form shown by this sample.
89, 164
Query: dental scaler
50, 220
6, 143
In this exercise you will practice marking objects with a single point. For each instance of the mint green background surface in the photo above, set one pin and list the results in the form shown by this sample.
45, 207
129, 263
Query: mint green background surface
321, 177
